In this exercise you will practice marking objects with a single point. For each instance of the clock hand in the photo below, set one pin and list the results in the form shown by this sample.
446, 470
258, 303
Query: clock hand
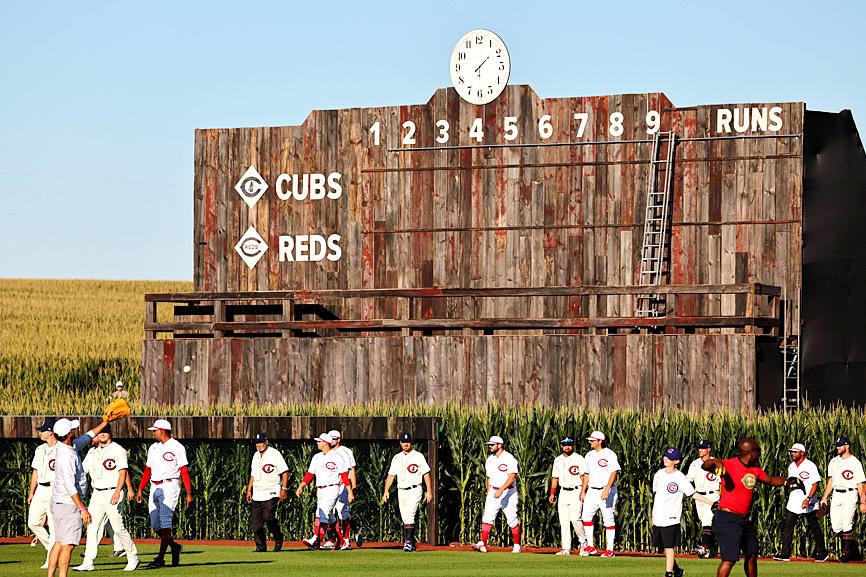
482, 64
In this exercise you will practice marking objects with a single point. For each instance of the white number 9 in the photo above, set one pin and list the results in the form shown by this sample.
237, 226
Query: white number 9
653, 121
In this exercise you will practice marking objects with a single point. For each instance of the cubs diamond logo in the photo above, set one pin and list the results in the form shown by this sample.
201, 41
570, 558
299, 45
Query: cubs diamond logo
673, 488
251, 247
413, 468
503, 467
574, 470
269, 468
251, 186
109, 464
847, 474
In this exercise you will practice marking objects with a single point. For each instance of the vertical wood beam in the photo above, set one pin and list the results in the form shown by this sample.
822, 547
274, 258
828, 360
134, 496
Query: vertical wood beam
288, 315
219, 316
150, 317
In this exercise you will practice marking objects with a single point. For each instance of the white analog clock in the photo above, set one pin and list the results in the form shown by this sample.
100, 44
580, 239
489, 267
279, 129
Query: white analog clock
480, 66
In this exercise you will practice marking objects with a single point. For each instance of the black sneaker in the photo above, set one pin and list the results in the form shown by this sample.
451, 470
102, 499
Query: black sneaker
359, 539
781, 558
257, 550
679, 572
176, 550
278, 546
155, 564
120, 553
823, 559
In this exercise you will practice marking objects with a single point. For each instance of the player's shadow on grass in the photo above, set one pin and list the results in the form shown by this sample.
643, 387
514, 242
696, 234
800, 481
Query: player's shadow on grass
215, 563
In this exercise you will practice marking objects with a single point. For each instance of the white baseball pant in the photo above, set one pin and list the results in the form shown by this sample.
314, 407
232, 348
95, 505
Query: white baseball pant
102, 512
408, 500
570, 508
39, 513
326, 500
162, 502
507, 503
704, 511
592, 502
343, 504
842, 509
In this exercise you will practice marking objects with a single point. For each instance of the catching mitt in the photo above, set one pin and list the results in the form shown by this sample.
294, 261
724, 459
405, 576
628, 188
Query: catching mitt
822, 510
793, 483
118, 409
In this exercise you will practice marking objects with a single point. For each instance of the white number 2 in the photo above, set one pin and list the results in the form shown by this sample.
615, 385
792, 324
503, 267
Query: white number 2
443, 126
409, 138
616, 119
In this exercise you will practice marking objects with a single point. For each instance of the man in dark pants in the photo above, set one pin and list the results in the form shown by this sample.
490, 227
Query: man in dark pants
732, 526
802, 502
269, 477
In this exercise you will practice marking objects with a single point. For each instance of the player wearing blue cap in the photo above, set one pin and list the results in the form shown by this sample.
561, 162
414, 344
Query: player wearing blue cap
669, 486
845, 479
267, 486
707, 484
567, 475
410, 468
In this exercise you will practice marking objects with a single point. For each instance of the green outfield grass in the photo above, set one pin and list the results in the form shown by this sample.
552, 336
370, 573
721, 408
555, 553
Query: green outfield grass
213, 561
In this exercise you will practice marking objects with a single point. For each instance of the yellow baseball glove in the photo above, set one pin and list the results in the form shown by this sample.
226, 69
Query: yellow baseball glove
118, 409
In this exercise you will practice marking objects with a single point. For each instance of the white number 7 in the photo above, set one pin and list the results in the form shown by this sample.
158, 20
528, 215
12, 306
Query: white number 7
581, 118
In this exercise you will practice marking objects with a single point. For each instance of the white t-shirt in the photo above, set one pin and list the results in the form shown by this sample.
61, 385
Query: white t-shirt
104, 465
599, 466
808, 473
409, 468
166, 459
265, 470
498, 469
669, 489
347, 455
69, 475
704, 481
43, 462
846, 473
569, 470
327, 468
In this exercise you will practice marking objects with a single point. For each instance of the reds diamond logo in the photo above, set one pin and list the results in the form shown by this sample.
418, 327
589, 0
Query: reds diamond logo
711, 476
574, 470
804, 474
847, 474
413, 468
51, 464
269, 468
109, 464
251, 186
602, 462
503, 467
168, 456
331, 466
673, 488
251, 247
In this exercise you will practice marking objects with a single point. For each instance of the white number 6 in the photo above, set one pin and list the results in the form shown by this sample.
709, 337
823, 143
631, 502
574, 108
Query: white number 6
545, 129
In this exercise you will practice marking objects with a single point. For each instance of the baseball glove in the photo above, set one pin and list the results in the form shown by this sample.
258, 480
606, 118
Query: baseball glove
822, 510
793, 483
117, 409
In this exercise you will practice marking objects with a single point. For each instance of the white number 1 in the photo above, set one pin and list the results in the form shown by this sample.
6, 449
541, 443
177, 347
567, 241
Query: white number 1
374, 132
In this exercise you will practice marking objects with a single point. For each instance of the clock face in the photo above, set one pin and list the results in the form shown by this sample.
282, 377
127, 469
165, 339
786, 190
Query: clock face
480, 66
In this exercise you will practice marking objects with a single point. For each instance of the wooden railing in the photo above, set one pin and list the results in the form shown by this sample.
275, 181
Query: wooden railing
754, 309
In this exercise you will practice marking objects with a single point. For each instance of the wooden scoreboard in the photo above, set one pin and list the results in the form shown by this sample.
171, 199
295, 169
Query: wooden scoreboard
453, 251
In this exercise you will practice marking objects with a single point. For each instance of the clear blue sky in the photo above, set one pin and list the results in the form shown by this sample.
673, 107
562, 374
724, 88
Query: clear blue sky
99, 100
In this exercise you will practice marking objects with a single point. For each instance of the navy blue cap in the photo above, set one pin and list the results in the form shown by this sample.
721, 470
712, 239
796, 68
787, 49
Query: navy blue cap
567, 441
260, 438
106, 428
47, 425
673, 454
843, 440
405, 438
704, 444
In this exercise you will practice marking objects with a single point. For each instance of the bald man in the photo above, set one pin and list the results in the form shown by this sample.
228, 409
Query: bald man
732, 526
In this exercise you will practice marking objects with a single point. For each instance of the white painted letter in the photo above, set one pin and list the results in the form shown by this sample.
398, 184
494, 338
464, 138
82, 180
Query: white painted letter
334, 182
334, 245
287, 244
759, 119
775, 119
723, 120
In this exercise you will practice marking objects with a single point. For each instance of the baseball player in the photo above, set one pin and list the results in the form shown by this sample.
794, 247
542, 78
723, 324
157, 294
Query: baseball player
669, 486
329, 469
732, 526
119, 391
706, 483
501, 469
410, 468
344, 529
107, 467
567, 476
166, 466
845, 480
599, 492
268, 485
802, 501
68, 511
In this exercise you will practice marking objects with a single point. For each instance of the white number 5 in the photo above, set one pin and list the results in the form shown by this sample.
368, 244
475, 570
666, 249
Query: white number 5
510, 128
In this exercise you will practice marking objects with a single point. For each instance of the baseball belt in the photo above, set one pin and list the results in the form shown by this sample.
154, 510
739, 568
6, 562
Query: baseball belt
407, 488
707, 492
598, 488
164, 481
568, 488
323, 486
103, 488
843, 490
45, 484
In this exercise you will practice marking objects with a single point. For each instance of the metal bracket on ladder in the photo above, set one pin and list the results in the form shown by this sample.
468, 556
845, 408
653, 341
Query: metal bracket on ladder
655, 246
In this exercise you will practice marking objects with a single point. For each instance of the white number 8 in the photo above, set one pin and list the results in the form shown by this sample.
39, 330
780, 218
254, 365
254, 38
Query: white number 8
616, 119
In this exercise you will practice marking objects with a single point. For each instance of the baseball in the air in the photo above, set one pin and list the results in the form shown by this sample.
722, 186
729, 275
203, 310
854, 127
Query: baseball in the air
187, 368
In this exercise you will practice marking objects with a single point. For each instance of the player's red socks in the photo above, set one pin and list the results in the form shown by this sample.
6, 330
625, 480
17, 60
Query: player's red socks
485, 532
347, 529
515, 534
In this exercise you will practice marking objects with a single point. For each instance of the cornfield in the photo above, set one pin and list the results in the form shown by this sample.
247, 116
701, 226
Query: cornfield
220, 470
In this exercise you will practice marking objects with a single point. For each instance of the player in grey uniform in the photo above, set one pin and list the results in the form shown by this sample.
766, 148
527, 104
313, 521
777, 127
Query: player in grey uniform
707, 484
410, 468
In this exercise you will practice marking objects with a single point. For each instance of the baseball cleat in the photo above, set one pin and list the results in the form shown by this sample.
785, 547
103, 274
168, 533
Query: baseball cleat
407, 546
607, 554
516, 548
278, 546
480, 547
176, 550
781, 558
44, 565
346, 545
84, 567
587, 551
155, 564
823, 559
564, 552
131, 565
312, 542
328, 545
359, 539
120, 553
679, 572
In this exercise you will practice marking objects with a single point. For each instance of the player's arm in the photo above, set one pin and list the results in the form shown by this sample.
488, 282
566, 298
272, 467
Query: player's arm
249, 494
389, 480
610, 481
429, 484
304, 482
701, 499
145, 479
584, 485
554, 483
353, 478
121, 483
861, 490
827, 490
187, 483
773, 480
284, 485
512, 477
713, 465
344, 477
34, 482
130, 492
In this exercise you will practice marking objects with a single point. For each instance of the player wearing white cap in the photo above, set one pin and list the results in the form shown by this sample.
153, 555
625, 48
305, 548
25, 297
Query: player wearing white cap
166, 466
846, 481
599, 492
67, 497
107, 466
268, 485
344, 523
329, 470
567, 475
501, 469
706, 483
802, 502
410, 468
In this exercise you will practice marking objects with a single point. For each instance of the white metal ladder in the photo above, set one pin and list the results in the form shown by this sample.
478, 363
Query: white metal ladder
790, 347
656, 226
